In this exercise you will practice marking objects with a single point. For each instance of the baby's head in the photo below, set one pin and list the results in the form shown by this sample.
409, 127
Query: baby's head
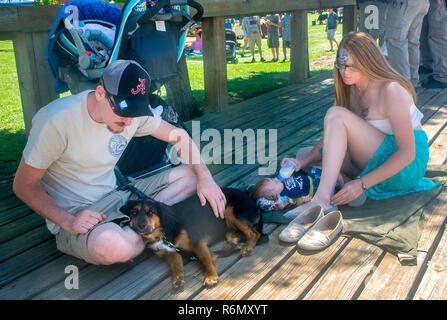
268, 188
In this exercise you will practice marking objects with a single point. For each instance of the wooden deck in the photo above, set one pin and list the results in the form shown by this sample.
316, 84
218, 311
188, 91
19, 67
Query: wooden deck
32, 268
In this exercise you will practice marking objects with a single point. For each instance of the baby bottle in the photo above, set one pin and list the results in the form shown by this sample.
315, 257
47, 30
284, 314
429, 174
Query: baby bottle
287, 169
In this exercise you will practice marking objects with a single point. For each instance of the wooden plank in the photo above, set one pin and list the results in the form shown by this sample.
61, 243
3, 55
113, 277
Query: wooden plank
214, 64
11, 214
297, 274
194, 276
28, 261
34, 282
40, 18
389, 273
350, 13
242, 276
24, 242
390, 280
347, 273
91, 278
32, 75
20, 226
434, 283
438, 149
435, 124
299, 53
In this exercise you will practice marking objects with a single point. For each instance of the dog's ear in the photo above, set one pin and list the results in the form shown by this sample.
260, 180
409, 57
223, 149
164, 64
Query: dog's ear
128, 206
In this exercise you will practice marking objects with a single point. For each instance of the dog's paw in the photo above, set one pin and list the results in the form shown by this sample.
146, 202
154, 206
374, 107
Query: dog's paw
246, 252
178, 281
210, 281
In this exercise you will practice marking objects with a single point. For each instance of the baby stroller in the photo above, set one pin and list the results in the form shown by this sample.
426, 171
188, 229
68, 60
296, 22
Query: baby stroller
87, 35
230, 46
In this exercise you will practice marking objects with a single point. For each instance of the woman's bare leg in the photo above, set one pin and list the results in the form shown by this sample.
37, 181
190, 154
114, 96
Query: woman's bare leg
344, 132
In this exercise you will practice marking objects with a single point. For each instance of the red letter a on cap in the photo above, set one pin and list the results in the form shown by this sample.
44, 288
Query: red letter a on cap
141, 87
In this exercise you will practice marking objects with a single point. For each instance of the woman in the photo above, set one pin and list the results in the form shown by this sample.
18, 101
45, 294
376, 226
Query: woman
373, 136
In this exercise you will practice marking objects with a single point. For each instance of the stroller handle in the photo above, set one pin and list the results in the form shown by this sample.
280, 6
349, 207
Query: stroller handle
192, 4
163, 3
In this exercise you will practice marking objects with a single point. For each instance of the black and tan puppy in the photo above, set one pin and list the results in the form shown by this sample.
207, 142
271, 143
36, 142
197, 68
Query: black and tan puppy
190, 227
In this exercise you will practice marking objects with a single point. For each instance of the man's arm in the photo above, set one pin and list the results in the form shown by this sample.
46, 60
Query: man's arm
26, 187
207, 189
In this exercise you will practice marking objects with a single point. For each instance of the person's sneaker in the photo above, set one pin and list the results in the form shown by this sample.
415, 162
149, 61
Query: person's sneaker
262, 60
423, 69
242, 55
284, 60
253, 60
273, 60
432, 83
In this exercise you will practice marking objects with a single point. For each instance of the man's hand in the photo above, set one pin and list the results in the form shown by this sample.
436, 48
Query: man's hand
85, 221
207, 189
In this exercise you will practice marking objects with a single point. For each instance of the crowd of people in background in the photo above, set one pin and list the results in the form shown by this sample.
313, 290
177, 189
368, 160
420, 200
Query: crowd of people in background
412, 34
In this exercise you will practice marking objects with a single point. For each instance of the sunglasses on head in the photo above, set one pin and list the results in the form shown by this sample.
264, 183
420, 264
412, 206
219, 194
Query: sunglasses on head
341, 66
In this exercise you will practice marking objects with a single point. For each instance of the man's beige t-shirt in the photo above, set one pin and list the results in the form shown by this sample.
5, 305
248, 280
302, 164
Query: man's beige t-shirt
79, 154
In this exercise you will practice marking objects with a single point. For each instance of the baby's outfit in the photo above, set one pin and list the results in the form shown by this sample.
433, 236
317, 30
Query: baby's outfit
296, 186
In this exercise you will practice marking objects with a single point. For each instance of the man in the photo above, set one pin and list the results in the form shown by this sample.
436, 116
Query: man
286, 22
437, 40
272, 21
253, 30
331, 28
402, 31
67, 170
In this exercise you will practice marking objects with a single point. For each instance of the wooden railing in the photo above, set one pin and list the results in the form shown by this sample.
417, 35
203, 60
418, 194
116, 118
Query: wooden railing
28, 27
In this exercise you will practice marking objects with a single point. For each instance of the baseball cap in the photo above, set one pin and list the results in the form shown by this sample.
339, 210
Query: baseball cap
128, 83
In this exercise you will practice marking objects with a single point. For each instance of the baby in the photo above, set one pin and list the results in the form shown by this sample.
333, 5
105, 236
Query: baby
279, 193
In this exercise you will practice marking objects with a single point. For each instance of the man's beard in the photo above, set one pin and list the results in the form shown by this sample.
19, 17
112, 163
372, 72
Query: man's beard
115, 131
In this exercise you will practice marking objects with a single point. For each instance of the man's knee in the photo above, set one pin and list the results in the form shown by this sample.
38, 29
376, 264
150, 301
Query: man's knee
109, 244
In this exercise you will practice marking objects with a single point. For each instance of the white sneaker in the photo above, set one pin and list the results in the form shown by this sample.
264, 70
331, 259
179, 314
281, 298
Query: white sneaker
298, 226
320, 235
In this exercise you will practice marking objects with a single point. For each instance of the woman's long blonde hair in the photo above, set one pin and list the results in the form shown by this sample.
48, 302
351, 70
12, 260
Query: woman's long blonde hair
370, 61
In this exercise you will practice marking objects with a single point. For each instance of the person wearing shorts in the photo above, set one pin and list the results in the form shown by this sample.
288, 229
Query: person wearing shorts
331, 27
272, 21
286, 22
66, 174
252, 28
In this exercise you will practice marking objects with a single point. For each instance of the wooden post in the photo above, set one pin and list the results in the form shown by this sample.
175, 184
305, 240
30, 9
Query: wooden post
299, 55
214, 63
35, 81
349, 19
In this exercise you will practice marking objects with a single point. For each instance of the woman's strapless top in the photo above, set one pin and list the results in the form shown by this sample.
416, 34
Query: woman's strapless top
385, 125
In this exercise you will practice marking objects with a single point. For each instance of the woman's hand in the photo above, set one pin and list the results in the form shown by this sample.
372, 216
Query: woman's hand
298, 163
350, 191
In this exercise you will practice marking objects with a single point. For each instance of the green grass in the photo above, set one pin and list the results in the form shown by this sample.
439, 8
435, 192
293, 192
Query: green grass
245, 80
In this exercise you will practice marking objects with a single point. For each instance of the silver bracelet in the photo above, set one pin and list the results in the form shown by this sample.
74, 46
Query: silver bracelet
363, 183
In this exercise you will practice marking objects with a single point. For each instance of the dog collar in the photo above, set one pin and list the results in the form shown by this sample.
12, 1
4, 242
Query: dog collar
168, 243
